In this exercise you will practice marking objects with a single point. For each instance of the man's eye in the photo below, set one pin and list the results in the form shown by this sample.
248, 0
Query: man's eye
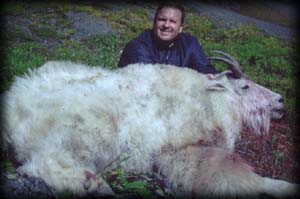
161, 19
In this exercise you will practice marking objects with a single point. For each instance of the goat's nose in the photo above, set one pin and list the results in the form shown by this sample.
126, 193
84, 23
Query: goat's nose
281, 100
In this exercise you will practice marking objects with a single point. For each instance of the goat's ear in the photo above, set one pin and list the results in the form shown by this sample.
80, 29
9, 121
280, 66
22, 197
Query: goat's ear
223, 74
216, 87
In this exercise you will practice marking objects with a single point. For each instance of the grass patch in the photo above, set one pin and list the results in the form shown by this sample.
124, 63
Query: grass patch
98, 51
138, 186
19, 58
129, 23
44, 30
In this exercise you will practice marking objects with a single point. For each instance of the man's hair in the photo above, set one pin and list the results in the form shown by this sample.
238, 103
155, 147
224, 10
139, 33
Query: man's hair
176, 5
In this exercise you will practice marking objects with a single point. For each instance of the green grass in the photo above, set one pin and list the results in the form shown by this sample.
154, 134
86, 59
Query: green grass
125, 182
98, 51
19, 58
128, 23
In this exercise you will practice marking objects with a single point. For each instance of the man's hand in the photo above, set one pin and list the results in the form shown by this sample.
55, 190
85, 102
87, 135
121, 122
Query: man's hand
210, 76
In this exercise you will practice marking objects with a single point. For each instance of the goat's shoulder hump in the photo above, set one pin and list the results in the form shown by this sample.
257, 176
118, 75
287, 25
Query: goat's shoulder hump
61, 65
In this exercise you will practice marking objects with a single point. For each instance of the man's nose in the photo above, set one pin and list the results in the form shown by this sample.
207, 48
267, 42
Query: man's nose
167, 24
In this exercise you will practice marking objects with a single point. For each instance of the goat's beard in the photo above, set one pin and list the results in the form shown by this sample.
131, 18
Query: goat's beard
257, 120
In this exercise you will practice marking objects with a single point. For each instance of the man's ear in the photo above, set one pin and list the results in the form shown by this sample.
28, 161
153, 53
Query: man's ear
181, 28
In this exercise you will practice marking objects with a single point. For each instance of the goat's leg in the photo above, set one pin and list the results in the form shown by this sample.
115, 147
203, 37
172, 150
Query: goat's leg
202, 171
64, 174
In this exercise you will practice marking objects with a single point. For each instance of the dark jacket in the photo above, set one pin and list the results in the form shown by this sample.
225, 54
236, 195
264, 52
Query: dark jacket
185, 52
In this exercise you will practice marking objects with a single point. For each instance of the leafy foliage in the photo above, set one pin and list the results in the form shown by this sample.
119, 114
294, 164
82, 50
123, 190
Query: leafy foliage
123, 183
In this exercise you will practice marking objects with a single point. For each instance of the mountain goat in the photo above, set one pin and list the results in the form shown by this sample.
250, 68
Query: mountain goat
67, 122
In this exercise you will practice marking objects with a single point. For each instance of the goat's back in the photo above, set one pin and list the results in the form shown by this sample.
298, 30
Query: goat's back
140, 108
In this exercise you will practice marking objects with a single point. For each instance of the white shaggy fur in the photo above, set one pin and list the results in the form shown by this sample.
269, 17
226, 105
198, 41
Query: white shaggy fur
67, 121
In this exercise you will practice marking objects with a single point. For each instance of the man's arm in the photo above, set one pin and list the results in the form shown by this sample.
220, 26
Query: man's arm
199, 61
135, 52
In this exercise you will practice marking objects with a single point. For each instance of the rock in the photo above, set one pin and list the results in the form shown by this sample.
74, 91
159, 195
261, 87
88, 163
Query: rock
17, 186
87, 25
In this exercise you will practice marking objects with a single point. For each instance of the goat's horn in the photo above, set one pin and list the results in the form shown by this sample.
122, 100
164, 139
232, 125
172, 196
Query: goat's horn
226, 72
234, 65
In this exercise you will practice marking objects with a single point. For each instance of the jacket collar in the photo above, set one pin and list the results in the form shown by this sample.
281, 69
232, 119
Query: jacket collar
161, 44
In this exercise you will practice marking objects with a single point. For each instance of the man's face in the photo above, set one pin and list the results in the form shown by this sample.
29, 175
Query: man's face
168, 24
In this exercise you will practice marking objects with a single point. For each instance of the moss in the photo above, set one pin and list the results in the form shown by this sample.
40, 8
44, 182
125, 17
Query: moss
43, 30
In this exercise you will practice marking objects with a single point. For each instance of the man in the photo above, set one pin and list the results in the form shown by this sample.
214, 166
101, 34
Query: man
167, 44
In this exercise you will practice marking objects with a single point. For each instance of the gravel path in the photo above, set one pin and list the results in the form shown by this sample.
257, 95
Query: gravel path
225, 18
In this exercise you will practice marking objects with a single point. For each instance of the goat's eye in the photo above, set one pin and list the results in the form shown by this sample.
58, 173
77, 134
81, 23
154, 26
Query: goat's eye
245, 87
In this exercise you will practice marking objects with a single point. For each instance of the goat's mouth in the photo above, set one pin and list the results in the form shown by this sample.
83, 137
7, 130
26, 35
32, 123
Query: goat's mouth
277, 113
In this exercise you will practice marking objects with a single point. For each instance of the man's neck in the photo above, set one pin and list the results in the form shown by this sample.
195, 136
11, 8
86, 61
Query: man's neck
163, 44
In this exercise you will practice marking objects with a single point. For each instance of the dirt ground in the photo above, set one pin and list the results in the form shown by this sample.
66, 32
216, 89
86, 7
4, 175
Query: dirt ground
275, 155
